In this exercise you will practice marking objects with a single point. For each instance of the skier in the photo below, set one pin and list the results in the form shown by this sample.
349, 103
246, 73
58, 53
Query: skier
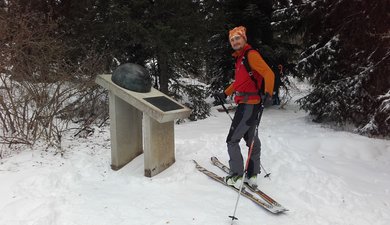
246, 89
278, 83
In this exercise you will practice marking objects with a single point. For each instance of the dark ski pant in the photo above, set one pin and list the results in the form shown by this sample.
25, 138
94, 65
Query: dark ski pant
243, 126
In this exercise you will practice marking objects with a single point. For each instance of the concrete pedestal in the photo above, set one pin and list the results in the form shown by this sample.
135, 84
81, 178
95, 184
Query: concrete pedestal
127, 111
126, 132
159, 146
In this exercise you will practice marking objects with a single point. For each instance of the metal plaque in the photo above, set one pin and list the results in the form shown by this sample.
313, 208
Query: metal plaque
163, 103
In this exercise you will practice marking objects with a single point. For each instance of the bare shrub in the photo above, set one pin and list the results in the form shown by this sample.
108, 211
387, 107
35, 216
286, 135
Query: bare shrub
41, 88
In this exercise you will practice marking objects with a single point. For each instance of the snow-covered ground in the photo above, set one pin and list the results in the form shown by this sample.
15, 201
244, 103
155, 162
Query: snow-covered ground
321, 175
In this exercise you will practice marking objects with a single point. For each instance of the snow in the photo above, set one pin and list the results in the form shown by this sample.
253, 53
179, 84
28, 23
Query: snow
321, 175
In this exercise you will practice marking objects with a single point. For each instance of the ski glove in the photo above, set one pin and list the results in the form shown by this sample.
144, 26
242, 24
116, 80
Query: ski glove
266, 98
220, 97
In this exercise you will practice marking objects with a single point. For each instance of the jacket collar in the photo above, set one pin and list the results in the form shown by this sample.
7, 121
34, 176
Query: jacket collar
241, 52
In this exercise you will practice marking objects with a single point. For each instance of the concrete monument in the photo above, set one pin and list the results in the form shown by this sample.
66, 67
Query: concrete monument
141, 119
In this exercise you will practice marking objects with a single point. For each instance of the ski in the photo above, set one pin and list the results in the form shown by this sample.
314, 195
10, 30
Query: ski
244, 192
265, 197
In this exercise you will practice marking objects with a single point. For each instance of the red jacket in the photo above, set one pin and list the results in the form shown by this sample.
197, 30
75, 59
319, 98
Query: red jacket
243, 83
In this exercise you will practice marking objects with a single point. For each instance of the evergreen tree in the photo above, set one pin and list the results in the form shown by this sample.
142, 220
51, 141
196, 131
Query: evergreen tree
173, 33
219, 64
164, 36
346, 58
287, 33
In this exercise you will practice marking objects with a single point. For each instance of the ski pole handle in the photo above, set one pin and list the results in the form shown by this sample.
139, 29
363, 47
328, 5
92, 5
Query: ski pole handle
223, 106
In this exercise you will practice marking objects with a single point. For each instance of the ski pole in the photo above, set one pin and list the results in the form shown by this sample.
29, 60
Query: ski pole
267, 175
223, 106
245, 171
247, 161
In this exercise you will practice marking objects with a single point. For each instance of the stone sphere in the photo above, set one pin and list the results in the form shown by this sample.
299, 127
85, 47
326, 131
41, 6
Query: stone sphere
132, 77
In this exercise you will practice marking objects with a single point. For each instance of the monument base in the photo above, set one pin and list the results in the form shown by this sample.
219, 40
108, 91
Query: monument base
126, 132
133, 112
159, 145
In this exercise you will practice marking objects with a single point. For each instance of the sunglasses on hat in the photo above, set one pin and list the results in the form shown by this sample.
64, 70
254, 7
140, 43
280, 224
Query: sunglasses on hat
235, 38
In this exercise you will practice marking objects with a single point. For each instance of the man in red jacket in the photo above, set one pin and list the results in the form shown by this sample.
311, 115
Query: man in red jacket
246, 89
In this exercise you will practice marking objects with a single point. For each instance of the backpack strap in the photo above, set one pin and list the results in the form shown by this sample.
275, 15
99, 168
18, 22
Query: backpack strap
249, 70
246, 62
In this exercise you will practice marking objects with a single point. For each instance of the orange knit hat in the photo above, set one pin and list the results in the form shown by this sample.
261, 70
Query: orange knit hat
238, 31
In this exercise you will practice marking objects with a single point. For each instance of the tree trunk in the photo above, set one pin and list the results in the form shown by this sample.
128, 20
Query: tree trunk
162, 61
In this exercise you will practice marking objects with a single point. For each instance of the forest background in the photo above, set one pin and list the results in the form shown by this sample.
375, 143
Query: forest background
52, 50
